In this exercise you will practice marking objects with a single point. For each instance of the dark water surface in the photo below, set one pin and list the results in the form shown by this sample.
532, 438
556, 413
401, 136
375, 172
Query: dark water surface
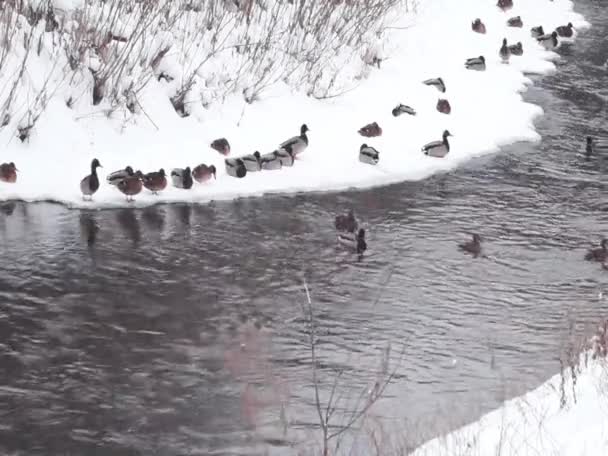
179, 330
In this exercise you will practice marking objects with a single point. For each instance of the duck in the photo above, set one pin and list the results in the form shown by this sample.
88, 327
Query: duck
131, 185
443, 106
476, 63
354, 241
438, 149
505, 5
114, 177
90, 184
537, 32
549, 42
565, 31
437, 83
478, 26
155, 181
253, 162
369, 155
235, 167
285, 155
504, 51
270, 162
182, 178
515, 22
598, 254
202, 173
403, 109
297, 143
473, 246
347, 223
371, 130
8, 173
589, 146
516, 49
221, 145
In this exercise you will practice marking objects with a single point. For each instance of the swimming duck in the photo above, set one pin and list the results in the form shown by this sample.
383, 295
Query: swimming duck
598, 254
371, 130
298, 143
438, 149
478, 26
473, 246
505, 5
270, 162
203, 173
114, 177
403, 109
8, 173
443, 106
537, 32
437, 83
565, 31
504, 51
235, 167
90, 184
253, 162
515, 22
354, 241
182, 178
589, 146
369, 155
476, 63
155, 181
549, 42
516, 49
131, 185
346, 222
221, 145
285, 155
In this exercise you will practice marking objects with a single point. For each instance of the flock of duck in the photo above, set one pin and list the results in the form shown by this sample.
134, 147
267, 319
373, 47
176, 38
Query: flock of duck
131, 183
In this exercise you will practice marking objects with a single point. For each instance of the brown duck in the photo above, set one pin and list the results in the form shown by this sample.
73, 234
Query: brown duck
8, 173
598, 254
346, 222
131, 185
221, 145
202, 173
478, 26
443, 106
371, 130
473, 246
505, 4
155, 181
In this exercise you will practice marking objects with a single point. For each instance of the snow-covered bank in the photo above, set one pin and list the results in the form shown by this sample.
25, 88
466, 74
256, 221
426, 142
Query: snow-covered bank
536, 424
487, 112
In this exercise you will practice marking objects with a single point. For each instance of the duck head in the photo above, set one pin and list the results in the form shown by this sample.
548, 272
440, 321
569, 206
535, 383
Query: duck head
604, 244
12, 166
446, 133
95, 164
303, 129
504, 41
589, 140
554, 34
187, 171
129, 171
570, 25
256, 154
482, 59
361, 234
363, 146
139, 174
161, 172
477, 21
476, 238
213, 170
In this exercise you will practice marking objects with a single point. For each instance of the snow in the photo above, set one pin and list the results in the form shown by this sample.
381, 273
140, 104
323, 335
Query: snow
487, 112
536, 424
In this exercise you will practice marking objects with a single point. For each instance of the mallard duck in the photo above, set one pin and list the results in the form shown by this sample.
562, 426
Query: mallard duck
270, 162
253, 162
438, 149
476, 63
537, 32
8, 173
155, 181
368, 155
346, 222
515, 22
565, 31
285, 155
371, 130
90, 184
182, 178
598, 254
114, 177
221, 145
478, 26
203, 173
443, 106
504, 51
235, 167
516, 49
403, 109
549, 42
298, 143
131, 185
589, 146
353, 241
437, 83
505, 5
473, 246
